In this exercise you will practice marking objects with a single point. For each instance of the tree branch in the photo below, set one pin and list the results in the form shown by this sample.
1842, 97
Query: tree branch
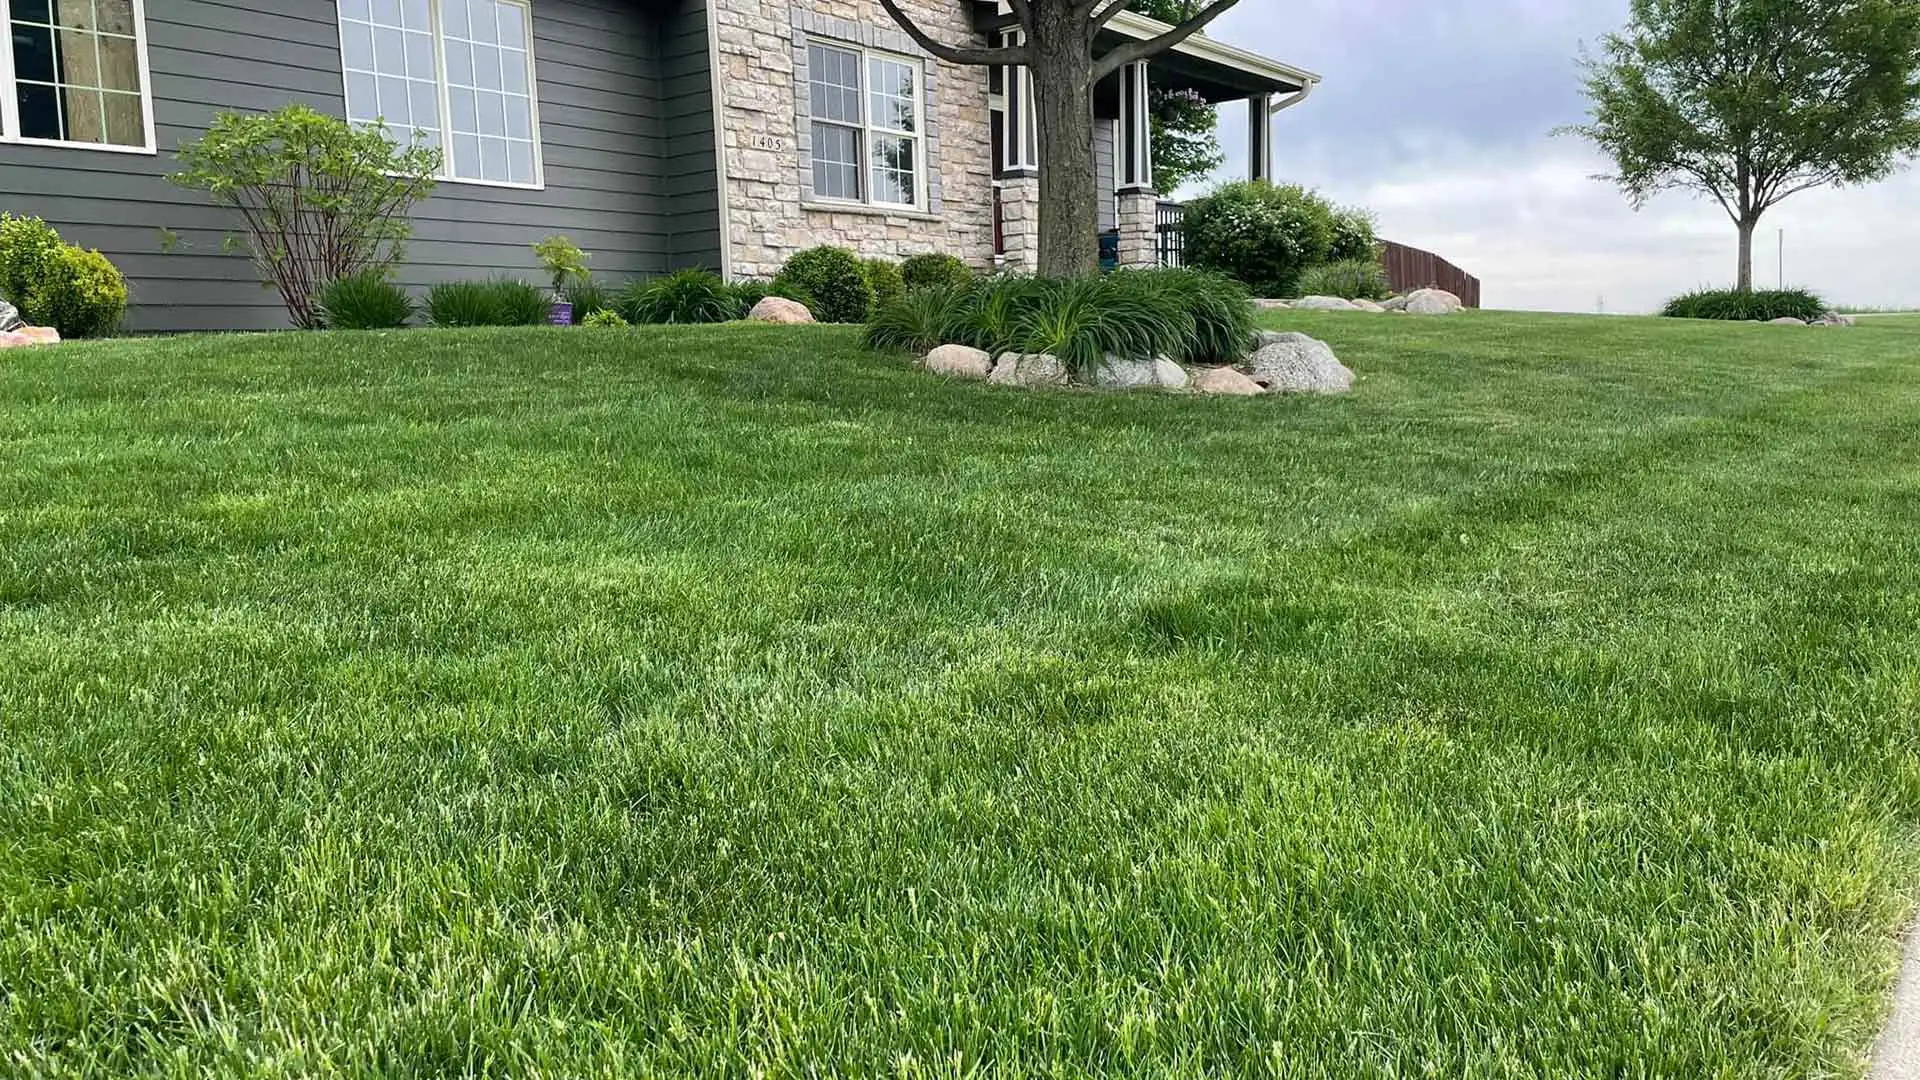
1009, 55
1105, 14
1134, 51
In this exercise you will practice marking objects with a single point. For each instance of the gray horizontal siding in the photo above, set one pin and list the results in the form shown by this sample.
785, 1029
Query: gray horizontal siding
612, 184
1103, 184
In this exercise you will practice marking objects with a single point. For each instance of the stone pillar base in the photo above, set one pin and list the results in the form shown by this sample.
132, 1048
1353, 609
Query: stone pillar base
1139, 229
1020, 224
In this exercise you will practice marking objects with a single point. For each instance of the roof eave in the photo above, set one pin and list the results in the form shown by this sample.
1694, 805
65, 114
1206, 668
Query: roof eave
1140, 27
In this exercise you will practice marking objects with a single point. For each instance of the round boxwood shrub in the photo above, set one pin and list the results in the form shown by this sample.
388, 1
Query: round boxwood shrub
1262, 234
28, 250
885, 280
1739, 305
936, 270
832, 281
82, 295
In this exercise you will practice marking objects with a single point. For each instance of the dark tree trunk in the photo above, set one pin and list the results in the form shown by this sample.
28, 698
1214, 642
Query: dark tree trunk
1746, 254
1063, 87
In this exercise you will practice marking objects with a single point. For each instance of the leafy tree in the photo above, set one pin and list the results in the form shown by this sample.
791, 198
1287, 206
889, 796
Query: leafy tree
1751, 101
319, 199
1185, 145
1060, 52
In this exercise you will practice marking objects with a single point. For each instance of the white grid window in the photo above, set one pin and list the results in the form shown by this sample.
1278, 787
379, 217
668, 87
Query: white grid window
74, 73
458, 73
867, 125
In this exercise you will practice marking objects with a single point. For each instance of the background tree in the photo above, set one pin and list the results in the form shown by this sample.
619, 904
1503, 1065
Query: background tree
1750, 101
1060, 52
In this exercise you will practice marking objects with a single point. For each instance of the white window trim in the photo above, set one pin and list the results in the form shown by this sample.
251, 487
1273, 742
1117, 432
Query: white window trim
10, 101
445, 96
867, 129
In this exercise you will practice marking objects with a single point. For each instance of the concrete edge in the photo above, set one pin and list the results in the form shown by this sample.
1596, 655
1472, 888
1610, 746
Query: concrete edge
1897, 1055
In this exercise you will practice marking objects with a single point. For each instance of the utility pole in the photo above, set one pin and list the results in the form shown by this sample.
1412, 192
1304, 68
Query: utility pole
1783, 259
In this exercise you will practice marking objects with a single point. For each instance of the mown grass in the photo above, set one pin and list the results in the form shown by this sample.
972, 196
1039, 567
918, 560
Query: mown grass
730, 702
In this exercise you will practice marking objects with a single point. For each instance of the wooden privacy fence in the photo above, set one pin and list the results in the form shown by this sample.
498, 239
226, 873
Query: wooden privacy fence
1411, 268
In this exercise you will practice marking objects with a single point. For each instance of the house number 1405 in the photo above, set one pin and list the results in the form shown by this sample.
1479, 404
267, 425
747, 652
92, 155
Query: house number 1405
767, 142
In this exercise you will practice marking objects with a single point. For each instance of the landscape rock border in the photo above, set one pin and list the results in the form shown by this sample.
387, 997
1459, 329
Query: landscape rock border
1281, 362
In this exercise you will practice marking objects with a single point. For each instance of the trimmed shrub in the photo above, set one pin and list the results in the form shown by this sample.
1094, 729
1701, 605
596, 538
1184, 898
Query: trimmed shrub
1260, 234
82, 295
605, 318
1220, 310
495, 302
365, 301
1353, 238
28, 249
885, 280
1743, 306
563, 261
588, 298
831, 282
688, 296
1353, 279
935, 269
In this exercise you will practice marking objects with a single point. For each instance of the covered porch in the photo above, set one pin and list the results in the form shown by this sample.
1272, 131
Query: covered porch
1139, 228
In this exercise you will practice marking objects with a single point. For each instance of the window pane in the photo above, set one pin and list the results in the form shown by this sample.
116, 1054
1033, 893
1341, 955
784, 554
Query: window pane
363, 97
834, 83
482, 17
386, 12
893, 170
356, 46
466, 156
394, 108
420, 63
513, 27
32, 53
486, 68
520, 162
34, 11
39, 111
356, 9
119, 64
413, 15
84, 115
79, 64
74, 14
466, 116
493, 114
453, 18
493, 159
424, 104
519, 118
892, 90
126, 123
513, 71
389, 51
836, 161
114, 16
459, 63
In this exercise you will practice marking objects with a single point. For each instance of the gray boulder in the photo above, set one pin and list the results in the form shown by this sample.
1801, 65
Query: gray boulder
1833, 318
1169, 375
1788, 320
1322, 303
1368, 305
1432, 302
1225, 380
1298, 364
1029, 370
960, 361
1272, 305
1398, 303
9, 317
1117, 373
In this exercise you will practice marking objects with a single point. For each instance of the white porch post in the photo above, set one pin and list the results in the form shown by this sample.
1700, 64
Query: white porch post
1260, 137
1019, 179
1138, 204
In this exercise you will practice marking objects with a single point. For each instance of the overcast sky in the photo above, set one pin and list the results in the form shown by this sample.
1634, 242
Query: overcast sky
1438, 118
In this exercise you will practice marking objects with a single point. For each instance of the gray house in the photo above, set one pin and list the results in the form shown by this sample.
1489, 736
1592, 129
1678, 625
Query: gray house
658, 134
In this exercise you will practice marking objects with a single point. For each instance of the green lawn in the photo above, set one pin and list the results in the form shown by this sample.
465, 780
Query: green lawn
731, 702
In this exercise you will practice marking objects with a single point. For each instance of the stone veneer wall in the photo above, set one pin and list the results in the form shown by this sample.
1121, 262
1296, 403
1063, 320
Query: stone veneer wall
761, 48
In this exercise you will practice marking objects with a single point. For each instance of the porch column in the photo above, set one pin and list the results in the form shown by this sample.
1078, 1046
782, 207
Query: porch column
1260, 137
1020, 155
1017, 188
1018, 204
1138, 204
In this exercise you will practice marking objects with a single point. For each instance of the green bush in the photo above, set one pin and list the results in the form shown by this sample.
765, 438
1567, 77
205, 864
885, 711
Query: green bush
588, 297
832, 281
1744, 306
688, 296
605, 318
934, 269
1353, 279
319, 199
495, 302
1260, 234
1353, 237
563, 261
1082, 320
82, 295
885, 279
28, 250
365, 301
1219, 308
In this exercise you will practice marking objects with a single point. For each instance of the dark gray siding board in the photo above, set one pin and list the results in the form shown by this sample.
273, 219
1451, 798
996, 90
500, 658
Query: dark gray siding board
612, 183
689, 176
1104, 134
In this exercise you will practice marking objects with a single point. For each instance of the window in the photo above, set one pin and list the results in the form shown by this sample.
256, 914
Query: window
456, 73
75, 73
867, 125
